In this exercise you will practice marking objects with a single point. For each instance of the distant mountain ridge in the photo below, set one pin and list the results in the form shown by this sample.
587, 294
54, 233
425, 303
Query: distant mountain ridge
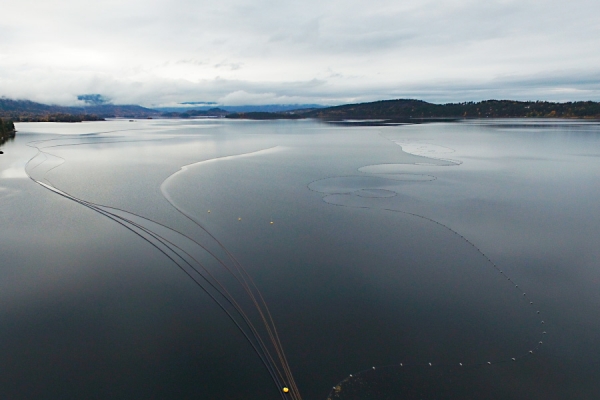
23, 110
271, 108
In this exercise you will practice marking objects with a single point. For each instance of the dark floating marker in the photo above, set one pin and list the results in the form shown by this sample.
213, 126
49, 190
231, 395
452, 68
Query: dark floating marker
460, 364
489, 363
514, 359
530, 351
543, 333
1, 152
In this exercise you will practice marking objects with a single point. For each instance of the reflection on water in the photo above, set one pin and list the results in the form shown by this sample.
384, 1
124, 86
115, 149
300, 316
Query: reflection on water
179, 259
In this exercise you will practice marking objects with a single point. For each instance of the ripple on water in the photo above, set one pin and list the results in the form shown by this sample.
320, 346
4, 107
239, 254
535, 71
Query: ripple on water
351, 184
374, 186
396, 172
375, 193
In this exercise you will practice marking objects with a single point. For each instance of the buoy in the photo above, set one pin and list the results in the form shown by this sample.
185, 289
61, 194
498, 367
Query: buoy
209, 211
239, 219
489, 363
271, 222
430, 364
285, 390
460, 364
514, 359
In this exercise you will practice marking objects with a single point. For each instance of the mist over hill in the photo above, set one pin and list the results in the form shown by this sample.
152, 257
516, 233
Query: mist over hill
271, 108
25, 110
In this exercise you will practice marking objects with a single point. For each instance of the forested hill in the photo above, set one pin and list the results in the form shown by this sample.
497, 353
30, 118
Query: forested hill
402, 109
25, 110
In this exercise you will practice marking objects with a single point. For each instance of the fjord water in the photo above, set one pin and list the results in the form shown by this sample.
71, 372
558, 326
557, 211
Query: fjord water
372, 246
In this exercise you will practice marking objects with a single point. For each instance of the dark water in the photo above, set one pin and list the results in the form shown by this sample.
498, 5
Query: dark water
389, 247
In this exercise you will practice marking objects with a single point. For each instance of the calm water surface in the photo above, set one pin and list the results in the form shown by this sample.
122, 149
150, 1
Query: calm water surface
435, 253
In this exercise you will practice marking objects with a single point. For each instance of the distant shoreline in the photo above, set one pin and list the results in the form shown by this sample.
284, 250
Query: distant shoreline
407, 110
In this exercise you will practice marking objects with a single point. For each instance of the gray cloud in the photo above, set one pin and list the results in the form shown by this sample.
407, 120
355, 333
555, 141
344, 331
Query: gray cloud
157, 52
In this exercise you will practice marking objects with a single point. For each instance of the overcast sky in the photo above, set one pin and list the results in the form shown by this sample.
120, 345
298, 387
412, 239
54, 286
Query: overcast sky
158, 52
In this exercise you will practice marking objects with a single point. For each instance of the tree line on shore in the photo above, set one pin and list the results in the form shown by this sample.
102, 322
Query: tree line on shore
7, 130
56, 117
417, 109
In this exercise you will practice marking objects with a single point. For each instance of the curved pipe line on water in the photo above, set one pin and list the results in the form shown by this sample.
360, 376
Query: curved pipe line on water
274, 336
122, 221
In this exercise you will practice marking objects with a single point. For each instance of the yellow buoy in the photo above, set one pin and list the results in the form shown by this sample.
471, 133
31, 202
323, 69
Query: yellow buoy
208, 210
271, 222
239, 219
285, 390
